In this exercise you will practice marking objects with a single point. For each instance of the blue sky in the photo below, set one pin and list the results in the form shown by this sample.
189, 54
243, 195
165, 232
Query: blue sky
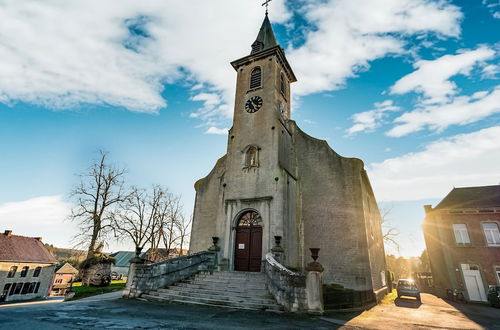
408, 86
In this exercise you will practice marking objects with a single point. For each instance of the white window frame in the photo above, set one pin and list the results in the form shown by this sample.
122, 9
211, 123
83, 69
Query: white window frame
497, 273
491, 236
461, 233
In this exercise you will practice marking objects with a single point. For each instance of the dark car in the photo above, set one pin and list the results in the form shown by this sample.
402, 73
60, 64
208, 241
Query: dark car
494, 296
408, 288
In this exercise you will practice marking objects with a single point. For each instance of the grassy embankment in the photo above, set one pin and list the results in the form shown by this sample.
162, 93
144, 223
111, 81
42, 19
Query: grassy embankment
88, 291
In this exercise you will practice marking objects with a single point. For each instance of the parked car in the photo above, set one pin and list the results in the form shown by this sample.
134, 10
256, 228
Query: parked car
408, 288
494, 296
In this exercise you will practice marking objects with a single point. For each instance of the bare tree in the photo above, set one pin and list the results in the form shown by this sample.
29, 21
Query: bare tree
183, 226
135, 218
98, 191
173, 217
389, 233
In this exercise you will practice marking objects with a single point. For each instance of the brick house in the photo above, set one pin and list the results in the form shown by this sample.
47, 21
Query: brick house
26, 267
62, 279
462, 235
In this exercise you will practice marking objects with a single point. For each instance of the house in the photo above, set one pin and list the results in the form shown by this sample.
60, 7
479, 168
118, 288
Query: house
26, 267
462, 235
279, 188
122, 264
62, 279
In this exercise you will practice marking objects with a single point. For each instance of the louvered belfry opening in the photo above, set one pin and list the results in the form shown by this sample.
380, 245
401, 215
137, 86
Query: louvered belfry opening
256, 78
257, 46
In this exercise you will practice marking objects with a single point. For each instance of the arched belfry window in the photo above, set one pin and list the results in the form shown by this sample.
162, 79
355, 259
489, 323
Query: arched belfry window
252, 157
250, 219
256, 78
282, 85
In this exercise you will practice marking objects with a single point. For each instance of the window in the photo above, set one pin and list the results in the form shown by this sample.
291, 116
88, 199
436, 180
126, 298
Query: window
24, 271
32, 287
497, 271
282, 85
257, 46
492, 233
6, 289
37, 271
37, 286
26, 288
256, 78
12, 271
252, 157
461, 234
19, 286
12, 288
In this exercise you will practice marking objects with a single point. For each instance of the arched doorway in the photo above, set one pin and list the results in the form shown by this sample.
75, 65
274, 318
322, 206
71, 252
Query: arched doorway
248, 243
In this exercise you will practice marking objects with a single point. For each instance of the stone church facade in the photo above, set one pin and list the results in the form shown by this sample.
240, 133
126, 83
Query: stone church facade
275, 180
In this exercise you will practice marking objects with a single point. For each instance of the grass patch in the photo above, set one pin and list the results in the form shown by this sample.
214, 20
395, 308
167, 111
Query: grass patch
89, 291
390, 297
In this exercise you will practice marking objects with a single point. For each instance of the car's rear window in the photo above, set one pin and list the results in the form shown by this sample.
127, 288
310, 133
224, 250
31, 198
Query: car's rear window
407, 283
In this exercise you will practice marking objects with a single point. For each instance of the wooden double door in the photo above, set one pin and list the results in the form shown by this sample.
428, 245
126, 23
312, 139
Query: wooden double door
248, 243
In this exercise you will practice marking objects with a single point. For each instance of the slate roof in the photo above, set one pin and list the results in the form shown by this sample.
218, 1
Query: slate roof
471, 197
24, 249
67, 268
122, 258
266, 35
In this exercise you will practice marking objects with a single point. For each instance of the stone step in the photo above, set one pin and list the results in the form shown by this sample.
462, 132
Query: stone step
241, 293
239, 307
233, 275
217, 295
217, 302
221, 286
226, 281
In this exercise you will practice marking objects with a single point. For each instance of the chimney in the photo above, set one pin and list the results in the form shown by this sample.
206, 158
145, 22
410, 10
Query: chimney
8, 233
427, 208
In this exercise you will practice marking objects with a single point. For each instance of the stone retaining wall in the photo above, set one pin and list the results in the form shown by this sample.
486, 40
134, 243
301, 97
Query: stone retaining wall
145, 277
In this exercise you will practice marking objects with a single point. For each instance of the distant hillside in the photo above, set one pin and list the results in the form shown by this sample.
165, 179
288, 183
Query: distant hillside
74, 257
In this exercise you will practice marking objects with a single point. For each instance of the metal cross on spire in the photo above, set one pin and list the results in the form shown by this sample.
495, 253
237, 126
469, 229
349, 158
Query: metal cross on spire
266, 3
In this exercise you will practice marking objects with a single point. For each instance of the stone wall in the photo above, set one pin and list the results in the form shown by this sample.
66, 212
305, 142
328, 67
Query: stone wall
149, 277
45, 279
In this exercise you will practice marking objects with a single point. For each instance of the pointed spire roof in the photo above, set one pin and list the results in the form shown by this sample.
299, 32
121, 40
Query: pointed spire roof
265, 38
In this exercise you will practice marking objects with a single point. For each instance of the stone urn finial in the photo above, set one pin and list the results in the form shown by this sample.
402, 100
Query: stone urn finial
277, 240
215, 240
314, 253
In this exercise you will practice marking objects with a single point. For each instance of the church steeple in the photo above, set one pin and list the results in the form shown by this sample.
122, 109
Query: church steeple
265, 38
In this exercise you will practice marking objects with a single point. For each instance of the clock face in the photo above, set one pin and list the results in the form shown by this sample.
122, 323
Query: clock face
253, 104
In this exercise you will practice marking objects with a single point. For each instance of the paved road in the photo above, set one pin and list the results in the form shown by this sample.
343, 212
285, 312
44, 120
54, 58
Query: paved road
433, 313
109, 312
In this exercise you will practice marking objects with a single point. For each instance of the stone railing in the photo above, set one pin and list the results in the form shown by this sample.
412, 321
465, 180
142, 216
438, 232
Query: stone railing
297, 292
144, 277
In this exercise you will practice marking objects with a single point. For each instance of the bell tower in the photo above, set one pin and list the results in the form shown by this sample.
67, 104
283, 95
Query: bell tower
262, 85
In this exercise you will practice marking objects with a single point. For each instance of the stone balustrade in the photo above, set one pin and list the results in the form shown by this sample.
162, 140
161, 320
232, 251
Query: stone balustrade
297, 292
145, 277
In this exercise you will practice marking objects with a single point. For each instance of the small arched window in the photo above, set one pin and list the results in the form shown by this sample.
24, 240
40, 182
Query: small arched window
37, 271
252, 157
12, 271
256, 78
282, 85
24, 271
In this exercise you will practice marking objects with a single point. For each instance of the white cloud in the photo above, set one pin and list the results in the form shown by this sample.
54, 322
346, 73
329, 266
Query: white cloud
349, 34
460, 111
215, 130
368, 120
39, 217
62, 54
432, 77
463, 160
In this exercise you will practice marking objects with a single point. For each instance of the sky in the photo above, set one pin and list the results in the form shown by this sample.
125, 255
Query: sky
408, 86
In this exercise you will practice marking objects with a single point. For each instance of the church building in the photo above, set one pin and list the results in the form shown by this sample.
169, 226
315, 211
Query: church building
276, 185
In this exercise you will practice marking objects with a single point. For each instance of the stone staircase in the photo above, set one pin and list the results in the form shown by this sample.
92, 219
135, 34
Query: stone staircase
240, 290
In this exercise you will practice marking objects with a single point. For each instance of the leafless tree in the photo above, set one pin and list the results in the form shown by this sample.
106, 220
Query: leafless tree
100, 188
171, 224
135, 218
183, 226
389, 233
